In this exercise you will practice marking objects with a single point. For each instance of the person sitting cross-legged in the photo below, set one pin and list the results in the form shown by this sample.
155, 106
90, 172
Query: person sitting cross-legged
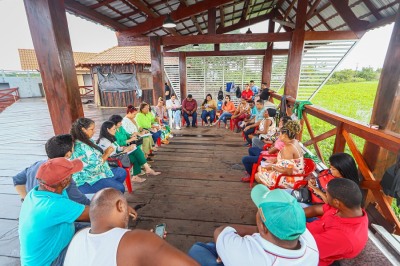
189, 108
280, 236
46, 220
56, 147
209, 107
110, 242
342, 221
228, 109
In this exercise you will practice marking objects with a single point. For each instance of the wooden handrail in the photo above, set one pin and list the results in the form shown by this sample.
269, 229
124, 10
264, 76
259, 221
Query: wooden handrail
344, 127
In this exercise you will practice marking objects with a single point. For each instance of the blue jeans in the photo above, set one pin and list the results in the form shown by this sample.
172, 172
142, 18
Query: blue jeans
224, 116
249, 132
194, 118
117, 182
251, 159
60, 259
156, 136
205, 254
211, 114
174, 117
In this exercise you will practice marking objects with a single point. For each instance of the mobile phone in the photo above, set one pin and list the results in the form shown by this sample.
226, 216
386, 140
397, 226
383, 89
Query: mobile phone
160, 230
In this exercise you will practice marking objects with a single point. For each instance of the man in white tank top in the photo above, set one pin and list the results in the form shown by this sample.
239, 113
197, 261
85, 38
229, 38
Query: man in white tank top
109, 242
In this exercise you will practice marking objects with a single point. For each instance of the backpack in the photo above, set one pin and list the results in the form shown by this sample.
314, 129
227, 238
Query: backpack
220, 96
238, 92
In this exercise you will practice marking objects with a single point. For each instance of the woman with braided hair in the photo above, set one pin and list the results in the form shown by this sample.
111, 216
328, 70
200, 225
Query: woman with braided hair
290, 159
96, 173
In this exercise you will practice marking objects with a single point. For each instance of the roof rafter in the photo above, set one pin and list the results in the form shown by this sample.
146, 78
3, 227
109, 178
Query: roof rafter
373, 9
180, 13
83, 10
355, 24
244, 23
100, 4
286, 15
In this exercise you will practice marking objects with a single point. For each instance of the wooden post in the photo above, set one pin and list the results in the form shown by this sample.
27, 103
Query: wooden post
212, 29
267, 62
49, 29
182, 74
296, 51
156, 67
386, 111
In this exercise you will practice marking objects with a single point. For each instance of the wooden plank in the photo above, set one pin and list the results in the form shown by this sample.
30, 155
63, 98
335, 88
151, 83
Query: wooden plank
226, 38
244, 23
182, 75
11, 205
56, 63
292, 77
9, 261
330, 35
311, 132
157, 68
9, 239
321, 137
211, 23
340, 142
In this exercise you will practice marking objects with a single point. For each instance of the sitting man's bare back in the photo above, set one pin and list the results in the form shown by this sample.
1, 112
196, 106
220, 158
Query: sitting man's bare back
109, 242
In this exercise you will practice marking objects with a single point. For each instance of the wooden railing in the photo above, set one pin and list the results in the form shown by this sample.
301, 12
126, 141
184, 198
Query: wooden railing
86, 91
344, 128
8, 97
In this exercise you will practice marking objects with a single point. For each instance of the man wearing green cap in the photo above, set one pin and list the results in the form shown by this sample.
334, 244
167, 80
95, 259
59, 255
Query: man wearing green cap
279, 238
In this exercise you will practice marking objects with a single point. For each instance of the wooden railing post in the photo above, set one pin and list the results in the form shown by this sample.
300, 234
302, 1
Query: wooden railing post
340, 142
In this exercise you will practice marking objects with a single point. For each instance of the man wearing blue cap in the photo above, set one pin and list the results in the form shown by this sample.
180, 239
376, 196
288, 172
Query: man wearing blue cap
279, 238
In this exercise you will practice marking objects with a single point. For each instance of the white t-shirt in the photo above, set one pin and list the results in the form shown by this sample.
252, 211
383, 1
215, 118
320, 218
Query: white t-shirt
235, 250
173, 104
94, 249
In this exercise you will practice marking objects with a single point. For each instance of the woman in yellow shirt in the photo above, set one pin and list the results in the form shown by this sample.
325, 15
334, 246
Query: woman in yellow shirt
209, 106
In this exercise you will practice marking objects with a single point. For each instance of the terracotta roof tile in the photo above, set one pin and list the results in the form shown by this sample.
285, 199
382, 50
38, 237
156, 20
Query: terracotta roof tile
28, 59
121, 55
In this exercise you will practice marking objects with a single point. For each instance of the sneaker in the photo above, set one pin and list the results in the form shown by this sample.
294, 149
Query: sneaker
171, 136
245, 179
178, 127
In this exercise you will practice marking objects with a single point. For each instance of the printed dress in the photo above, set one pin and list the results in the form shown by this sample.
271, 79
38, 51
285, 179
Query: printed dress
269, 177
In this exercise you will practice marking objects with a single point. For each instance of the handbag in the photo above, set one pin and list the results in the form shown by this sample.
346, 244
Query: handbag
302, 195
122, 157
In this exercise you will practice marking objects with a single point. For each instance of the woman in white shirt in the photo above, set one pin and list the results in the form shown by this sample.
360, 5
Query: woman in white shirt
174, 111
130, 126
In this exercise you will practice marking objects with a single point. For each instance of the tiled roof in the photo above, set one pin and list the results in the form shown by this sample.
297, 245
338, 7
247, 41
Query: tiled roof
121, 55
28, 59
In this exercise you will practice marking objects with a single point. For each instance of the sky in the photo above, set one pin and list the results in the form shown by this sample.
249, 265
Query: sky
87, 36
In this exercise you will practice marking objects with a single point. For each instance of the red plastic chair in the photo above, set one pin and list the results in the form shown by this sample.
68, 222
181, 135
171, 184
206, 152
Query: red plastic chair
202, 122
128, 173
255, 165
230, 124
184, 122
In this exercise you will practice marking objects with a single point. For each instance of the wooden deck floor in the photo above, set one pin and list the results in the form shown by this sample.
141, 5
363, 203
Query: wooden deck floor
198, 189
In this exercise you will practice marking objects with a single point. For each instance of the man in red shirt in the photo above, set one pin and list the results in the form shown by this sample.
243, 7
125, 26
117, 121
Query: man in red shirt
247, 93
342, 231
189, 107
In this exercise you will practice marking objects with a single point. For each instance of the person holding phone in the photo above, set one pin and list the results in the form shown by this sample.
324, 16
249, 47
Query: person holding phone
110, 242
228, 109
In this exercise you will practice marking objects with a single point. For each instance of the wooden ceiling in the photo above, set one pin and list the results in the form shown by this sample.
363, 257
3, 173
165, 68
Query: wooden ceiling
145, 17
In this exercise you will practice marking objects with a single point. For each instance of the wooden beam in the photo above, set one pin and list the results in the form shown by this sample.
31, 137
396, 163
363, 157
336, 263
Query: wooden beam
181, 13
124, 40
373, 9
221, 17
386, 110
226, 53
227, 38
244, 23
330, 35
212, 16
287, 13
99, 4
246, 5
382, 22
321, 137
267, 60
143, 7
182, 74
157, 67
296, 51
49, 30
82, 10
340, 142
356, 25
313, 8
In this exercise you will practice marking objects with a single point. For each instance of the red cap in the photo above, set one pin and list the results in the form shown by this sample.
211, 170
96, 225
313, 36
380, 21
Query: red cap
56, 170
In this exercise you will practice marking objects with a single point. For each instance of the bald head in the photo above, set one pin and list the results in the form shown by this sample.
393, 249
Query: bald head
109, 207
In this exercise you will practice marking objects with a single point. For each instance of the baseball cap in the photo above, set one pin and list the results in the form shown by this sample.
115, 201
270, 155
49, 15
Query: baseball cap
280, 212
56, 170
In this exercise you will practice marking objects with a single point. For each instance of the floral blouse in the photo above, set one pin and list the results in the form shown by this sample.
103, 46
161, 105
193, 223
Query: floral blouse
94, 168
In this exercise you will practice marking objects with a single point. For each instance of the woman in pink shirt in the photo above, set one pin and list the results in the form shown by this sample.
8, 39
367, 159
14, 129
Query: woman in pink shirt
228, 109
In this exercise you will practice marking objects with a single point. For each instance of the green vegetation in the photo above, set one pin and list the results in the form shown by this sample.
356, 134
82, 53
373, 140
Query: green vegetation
349, 75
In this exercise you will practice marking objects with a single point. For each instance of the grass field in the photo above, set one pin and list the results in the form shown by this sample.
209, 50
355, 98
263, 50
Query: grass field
354, 100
